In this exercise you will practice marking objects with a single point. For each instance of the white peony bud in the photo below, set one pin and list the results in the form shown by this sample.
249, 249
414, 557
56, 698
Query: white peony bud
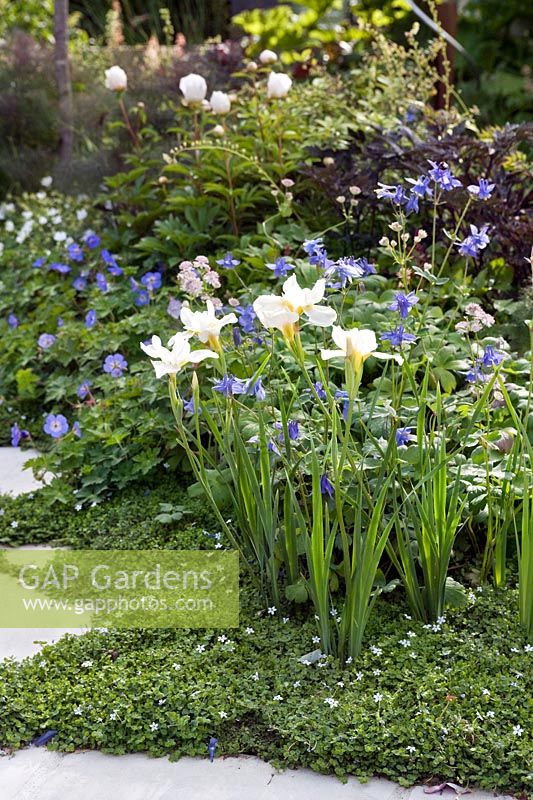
116, 79
220, 103
268, 57
194, 89
278, 85
219, 131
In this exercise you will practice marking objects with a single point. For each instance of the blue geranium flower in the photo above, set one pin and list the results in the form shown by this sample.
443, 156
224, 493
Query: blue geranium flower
91, 240
152, 281
63, 269
75, 252
229, 261
13, 321
46, 340
142, 298
398, 336
83, 390
39, 262
55, 425
403, 303
101, 282
115, 364
90, 318
76, 430
174, 308
80, 283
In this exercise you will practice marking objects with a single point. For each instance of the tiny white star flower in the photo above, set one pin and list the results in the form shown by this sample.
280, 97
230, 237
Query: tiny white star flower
161, 701
249, 631
306, 662
515, 650
316, 640
490, 714
87, 663
154, 726
376, 650
176, 666
358, 676
486, 692
528, 648
78, 507
255, 676
405, 643
113, 715
78, 711
376, 672
378, 697
411, 748
14, 524
222, 714
223, 638
518, 730
296, 684
277, 697
285, 620
341, 684
349, 660
331, 702
272, 610
200, 648
411, 634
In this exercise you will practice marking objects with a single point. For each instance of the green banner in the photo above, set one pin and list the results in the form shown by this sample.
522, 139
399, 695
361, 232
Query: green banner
119, 588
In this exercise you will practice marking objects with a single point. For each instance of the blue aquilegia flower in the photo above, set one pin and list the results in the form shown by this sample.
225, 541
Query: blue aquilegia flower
319, 389
76, 430
90, 318
91, 240
420, 186
39, 262
228, 262
366, 266
475, 374
491, 358
83, 390
151, 281
280, 267
394, 193
13, 321
293, 429
398, 337
256, 389
211, 747
55, 425
312, 246
340, 394
442, 176
403, 303
483, 190
229, 386
326, 487
101, 282
115, 364
346, 269
247, 317
476, 241
404, 436
75, 252
17, 435
188, 406
46, 340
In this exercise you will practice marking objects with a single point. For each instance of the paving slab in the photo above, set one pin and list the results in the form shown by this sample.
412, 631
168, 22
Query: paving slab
38, 774
14, 479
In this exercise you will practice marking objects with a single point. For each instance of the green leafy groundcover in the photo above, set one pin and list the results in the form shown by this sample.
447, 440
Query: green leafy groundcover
451, 701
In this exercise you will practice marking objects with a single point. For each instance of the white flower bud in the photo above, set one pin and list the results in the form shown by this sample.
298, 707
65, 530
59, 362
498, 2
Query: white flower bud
116, 79
220, 103
268, 57
193, 88
278, 85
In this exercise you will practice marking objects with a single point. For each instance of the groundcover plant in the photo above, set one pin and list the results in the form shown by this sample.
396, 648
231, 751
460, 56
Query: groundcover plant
354, 421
